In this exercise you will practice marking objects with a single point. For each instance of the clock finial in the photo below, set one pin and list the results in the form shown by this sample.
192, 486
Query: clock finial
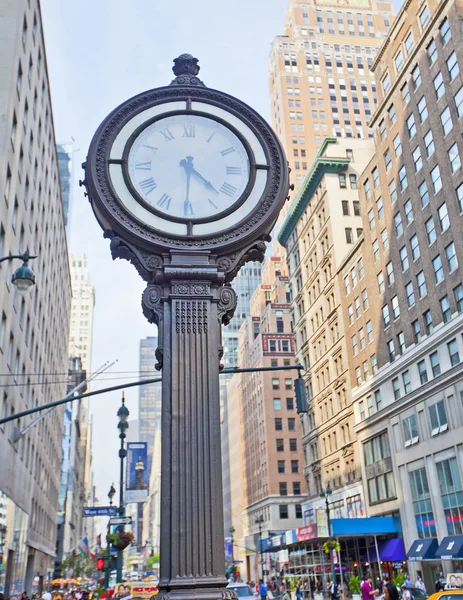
186, 69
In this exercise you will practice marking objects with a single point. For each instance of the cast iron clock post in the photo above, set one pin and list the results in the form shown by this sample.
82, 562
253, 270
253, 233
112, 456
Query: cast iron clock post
187, 182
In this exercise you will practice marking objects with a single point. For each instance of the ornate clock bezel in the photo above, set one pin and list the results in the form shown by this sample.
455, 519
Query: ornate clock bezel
253, 166
114, 216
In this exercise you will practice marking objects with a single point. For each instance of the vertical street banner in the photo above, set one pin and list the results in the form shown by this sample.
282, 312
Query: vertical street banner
322, 523
136, 481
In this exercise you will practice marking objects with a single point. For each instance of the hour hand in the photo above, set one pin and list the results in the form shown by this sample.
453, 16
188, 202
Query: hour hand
207, 183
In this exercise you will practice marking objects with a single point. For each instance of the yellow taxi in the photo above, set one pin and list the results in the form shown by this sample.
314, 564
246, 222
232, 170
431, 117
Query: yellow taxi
447, 595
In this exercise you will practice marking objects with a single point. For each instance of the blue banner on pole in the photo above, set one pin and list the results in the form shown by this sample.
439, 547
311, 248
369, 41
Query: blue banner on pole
137, 472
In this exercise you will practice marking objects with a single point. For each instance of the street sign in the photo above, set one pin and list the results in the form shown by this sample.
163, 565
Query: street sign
120, 520
100, 511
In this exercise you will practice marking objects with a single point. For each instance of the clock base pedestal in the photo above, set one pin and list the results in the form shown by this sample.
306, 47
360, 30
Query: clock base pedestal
189, 313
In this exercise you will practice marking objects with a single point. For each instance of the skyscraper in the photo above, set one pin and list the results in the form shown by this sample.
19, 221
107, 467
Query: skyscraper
83, 306
34, 329
65, 172
149, 396
320, 83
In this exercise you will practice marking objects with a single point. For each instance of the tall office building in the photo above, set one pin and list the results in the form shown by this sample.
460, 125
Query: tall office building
323, 226
408, 403
271, 455
65, 173
320, 83
244, 285
83, 306
34, 329
149, 396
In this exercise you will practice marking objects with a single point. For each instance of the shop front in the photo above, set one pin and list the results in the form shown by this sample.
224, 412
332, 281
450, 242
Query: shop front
422, 555
13, 549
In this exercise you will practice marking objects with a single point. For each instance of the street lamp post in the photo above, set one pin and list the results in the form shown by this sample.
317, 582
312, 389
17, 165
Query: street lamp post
325, 494
23, 278
123, 414
259, 521
111, 493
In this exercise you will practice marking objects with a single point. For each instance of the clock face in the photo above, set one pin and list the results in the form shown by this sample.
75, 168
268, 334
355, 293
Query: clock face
188, 167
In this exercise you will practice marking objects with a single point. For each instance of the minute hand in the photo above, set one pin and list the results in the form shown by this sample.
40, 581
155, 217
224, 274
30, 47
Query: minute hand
207, 183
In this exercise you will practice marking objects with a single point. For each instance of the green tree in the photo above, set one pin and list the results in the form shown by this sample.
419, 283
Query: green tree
152, 560
77, 565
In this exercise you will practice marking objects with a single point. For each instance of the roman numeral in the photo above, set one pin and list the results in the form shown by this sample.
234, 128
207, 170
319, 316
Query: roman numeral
188, 209
189, 131
152, 148
210, 137
167, 134
212, 204
143, 166
164, 201
234, 170
228, 189
147, 185
227, 151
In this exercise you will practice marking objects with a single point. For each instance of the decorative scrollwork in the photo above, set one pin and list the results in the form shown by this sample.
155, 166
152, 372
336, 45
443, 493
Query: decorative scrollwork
226, 304
152, 303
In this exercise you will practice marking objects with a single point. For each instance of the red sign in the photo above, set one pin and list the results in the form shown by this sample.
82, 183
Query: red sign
309, 532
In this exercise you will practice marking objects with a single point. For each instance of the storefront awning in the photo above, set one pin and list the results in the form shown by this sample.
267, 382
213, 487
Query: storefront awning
451, 547
364, 526
392, 550
423, 549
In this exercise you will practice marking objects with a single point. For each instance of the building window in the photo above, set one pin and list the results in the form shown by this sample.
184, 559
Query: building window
278, 424
446, 120
428, 324
415, 248
283, 488
452, 496
438, 269
422, 109
294, 466
417, 160
374, 364
416, 331
296, 488
424, 17
397, 146
416, 77
281, 466
275, 384
451, 257
393, 191
452, 66
276, 404
435, 363
396, 388
422, 371
392, 115
376, 250
349, 236
454, 158
353, 181
411, 126
283, 511
386, 316
380, 207
342, 180
438, 417
391, 350
432, 52
431, 231
429, 143
291, 424
439, 86
454, 355
420, 280
345, 207
445, 31
405, 93
406, 381
404, 258
398, 224
422, 505
410, 428
403, 181
409, 42
381, 487
280, 444
293, 445
298, 511
369, 327
289, 404
410, 294
445, 308
458, 293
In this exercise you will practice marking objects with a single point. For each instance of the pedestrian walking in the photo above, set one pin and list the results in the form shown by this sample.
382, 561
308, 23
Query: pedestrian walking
262, 590
390, 592
420, 584
284, 592
367, 590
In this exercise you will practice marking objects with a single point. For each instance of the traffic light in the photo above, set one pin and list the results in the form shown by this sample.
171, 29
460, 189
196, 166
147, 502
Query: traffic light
100, 564
301, 399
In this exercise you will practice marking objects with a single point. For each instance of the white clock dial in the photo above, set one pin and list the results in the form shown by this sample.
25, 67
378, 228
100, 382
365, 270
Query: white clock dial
188, 167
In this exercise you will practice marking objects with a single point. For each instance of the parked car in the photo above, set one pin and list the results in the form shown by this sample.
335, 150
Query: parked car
242, 590
447, 595
415, 593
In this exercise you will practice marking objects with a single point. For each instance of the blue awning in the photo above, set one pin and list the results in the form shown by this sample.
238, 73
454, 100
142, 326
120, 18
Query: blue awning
365, 526
451, 547
423, 549
392, 550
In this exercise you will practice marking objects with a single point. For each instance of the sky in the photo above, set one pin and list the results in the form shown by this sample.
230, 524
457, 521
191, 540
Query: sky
99, 54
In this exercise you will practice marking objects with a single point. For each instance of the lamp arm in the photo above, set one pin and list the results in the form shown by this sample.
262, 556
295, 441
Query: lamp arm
24, 257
